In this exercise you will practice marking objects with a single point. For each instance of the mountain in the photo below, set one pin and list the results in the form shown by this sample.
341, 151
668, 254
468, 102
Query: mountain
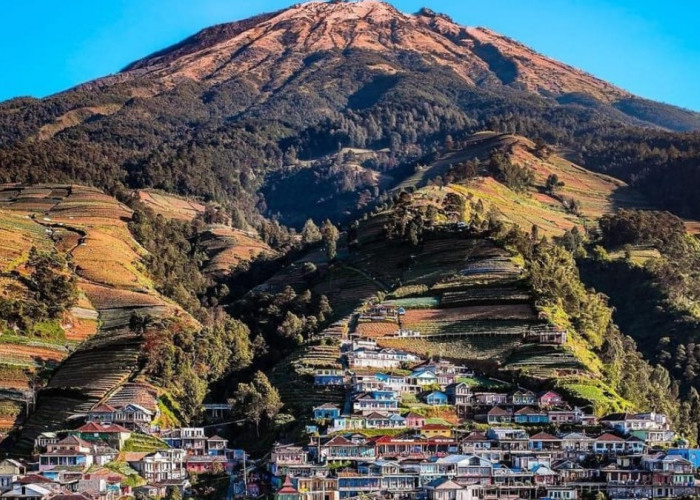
164, 202
232, 110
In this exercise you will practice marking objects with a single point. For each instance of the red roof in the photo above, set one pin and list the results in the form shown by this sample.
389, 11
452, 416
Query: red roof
609, 437
34, 479
95, 427
543, 436
288, 487
105, 408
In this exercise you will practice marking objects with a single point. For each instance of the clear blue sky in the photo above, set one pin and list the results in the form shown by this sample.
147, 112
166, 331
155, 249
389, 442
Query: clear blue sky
649, 47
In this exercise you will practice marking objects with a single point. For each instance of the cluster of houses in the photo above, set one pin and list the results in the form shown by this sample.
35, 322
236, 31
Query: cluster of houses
442, 462
100, 459
515, 444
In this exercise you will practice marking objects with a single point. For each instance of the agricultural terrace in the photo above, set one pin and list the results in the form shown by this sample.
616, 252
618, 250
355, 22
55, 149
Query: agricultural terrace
227, 248
170, 206
92, 228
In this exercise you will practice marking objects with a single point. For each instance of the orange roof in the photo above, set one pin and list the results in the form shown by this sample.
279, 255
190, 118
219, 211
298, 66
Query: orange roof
95, 427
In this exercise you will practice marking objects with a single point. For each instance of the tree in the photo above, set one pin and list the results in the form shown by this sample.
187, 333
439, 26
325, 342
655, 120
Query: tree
310, 233
193, 390
257, 400
553, 183
330, 235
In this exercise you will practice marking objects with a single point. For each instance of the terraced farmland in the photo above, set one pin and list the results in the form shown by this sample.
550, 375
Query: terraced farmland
92, 227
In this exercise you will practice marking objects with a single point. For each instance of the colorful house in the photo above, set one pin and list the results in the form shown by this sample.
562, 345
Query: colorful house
529, 415
498, 415
549, 398
436, 430
522, 397
436, 398
326, 411
414, 420
329, 377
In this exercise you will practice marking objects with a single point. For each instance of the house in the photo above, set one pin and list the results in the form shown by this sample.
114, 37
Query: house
549, 398
543, 441
113, 434
497, 415
317, 488
690, 454
105, 483
44, 439
10, 470
377, 420
529, 415
547, 336
71, 452
379, 358
436, 430
29, 492
576, 443
347, 423
339, 448
522, 397
285, 455
562, 493
628, 422
162, 465
446, 489
474, 442
490, 398
133, 416
414, 420
205, 463
461, 396
365, 404
216, 446
423, 378
326, 411
436, 398
102, 413
329, 377
191, 439
609, 444
558, 416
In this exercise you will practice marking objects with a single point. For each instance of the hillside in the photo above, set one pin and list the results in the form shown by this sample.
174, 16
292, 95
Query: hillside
93, 338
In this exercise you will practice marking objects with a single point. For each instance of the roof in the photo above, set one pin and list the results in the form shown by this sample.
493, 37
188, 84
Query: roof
609, 437
216, 438
327, 406
287, 487
103, 408
33, 479
544, 436
497, 410
528, 410
73, 440
414, 415
109, 428
443, 483
339, 441
476, 436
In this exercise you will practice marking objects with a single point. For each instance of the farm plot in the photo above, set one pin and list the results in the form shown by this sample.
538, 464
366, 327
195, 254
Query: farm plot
170, 206
376, 329
484, 296
493, 349
470, 320
227, 248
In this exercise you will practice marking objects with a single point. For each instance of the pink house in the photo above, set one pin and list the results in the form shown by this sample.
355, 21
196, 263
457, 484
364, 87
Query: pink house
549, 398
414, 420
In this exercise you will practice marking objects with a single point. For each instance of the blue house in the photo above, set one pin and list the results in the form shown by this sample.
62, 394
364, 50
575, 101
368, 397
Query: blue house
436, 398
529, 415
326, 411
329, 377
690, 454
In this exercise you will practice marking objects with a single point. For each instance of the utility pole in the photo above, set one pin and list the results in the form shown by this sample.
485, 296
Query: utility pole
245, 476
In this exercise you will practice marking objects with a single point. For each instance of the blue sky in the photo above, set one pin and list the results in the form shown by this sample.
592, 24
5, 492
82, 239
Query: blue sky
651, 48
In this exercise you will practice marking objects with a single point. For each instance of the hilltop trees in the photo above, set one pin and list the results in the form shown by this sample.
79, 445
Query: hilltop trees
310, 233
516, 177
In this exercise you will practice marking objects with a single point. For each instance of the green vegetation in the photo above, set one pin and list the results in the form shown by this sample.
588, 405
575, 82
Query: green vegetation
143, 442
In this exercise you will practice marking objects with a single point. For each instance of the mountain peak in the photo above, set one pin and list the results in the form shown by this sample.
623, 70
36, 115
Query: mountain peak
270, 48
